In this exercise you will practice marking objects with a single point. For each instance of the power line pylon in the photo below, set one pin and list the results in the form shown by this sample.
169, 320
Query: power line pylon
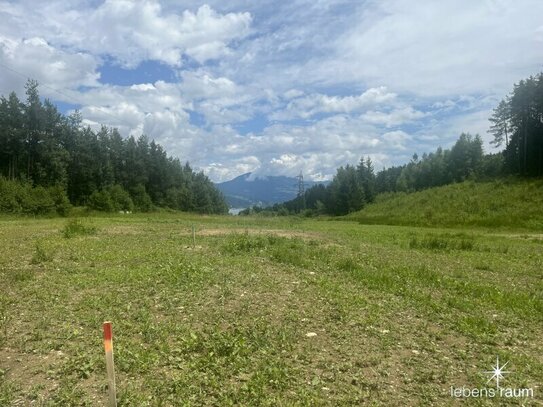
301, 190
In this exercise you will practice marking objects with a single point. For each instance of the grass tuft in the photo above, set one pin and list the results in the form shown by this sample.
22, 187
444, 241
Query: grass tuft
5, 319
42, 254
438, 243
76, 227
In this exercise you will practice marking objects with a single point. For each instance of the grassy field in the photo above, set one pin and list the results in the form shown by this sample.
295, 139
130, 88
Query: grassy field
273, 312
508, 203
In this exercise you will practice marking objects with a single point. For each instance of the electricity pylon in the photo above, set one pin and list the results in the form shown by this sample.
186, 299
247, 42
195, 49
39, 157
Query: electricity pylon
301, 190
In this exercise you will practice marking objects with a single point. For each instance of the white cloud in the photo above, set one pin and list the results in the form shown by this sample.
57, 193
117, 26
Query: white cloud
292, 93
157, 110
438, 48
132, 31
35, 58
383, 79
444, 105
203, 86
310, 105
394, 117
149, 97
220, 172
317, 150
219, 99
397, 139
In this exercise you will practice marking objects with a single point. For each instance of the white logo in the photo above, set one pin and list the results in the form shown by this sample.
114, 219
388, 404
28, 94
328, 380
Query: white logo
497, 372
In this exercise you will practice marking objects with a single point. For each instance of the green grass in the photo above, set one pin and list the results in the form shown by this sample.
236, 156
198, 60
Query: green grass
509, 203
400, 313
76, 227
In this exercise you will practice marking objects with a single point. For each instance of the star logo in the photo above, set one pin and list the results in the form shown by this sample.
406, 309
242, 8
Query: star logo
497, 372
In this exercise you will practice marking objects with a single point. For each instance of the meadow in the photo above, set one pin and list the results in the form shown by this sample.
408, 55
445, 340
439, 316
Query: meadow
265, 311
507, 203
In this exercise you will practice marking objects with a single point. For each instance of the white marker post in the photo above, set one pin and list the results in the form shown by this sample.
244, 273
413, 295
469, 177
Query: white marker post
193, 236
108, 346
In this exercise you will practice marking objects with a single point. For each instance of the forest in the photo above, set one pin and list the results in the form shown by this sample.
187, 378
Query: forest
516, 124
50, 161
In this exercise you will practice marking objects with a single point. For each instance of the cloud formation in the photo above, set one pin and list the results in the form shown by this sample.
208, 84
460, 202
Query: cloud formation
276, 88
130, 31
310, 105
35, 58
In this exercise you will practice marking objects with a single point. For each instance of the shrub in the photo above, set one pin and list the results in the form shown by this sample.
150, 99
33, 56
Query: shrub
60, 200
10, 196
283, 212
111, 199
120, 198
76, 227
142, 200
39, 201
100, 201
21, 197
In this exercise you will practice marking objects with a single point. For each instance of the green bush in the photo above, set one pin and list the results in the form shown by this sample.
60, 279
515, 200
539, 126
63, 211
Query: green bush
39, 201
142, 200
120, 198
111, 199
100, 201
21, 198
76, 227
60, 200
10, 196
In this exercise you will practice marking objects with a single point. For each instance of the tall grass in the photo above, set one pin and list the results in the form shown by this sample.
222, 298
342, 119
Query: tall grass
76, 227
511, 203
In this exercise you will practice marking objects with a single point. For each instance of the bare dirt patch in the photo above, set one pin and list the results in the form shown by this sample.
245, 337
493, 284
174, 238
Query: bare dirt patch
260, 232
30, 372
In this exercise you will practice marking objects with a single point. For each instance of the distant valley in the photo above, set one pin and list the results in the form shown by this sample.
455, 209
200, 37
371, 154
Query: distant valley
247, 190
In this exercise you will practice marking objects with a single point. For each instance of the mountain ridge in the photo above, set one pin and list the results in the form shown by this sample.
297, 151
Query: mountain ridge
248, 189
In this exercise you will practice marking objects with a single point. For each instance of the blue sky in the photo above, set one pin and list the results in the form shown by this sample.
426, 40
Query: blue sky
276, 87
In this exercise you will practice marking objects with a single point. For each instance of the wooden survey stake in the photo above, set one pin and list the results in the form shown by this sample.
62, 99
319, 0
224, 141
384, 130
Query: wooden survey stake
108, 346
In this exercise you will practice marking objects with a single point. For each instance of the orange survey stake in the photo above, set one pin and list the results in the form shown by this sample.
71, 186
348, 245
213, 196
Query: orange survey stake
108, 345
108, 334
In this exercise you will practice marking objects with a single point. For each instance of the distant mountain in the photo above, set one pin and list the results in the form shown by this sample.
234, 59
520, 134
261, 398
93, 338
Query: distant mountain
246, 190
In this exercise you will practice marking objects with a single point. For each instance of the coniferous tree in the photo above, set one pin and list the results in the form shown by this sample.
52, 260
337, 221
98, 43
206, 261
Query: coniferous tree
346, 193
40, 146
500, 123
523, 119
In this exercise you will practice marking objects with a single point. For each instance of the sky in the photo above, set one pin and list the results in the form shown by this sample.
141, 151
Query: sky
276, 87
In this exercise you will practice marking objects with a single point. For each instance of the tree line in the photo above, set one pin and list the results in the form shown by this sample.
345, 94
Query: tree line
50, 161
354, 186
517, 122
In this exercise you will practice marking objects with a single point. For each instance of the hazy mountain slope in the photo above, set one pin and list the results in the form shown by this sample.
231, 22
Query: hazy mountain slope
246, 190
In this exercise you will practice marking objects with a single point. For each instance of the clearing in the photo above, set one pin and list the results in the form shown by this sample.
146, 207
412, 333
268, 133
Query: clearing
396, 315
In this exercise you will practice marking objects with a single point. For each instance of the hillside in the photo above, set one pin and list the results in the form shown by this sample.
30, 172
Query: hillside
505, 203
247, 190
